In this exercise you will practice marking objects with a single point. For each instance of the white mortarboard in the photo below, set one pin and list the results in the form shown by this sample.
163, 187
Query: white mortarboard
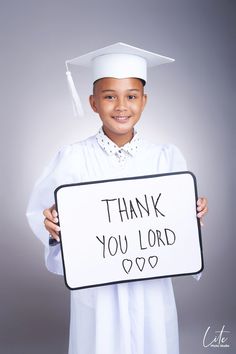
118, 60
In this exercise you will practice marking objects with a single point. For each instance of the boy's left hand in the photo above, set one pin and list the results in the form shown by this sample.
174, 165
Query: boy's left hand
202, 208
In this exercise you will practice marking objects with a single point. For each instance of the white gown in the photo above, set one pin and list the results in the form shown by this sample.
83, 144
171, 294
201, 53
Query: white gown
129, 318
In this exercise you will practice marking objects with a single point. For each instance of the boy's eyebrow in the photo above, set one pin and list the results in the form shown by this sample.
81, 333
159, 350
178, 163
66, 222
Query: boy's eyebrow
111, 90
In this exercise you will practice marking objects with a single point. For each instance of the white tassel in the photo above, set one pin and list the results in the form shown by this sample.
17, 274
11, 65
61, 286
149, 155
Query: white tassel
77, 105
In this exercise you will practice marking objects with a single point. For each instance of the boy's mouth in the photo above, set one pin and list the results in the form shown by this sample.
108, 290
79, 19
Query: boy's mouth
121, 118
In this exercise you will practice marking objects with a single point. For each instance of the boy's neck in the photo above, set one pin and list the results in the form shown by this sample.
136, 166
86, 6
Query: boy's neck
119, 140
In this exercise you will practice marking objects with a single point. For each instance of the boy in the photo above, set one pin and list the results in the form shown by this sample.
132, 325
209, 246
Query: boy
127, 318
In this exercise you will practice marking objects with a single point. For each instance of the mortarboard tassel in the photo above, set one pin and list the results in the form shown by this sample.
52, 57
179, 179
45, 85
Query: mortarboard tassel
77, 105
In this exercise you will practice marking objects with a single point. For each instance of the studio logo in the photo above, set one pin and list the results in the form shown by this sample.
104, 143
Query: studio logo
216, 338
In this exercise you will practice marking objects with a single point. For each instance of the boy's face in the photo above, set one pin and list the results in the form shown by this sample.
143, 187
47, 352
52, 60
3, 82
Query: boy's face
119, 103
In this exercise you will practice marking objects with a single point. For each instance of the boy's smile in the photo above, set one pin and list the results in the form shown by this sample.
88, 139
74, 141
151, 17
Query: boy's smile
119, 103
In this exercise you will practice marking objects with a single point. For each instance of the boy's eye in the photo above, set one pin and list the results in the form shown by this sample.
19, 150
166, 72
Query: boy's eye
109, 97
131, 97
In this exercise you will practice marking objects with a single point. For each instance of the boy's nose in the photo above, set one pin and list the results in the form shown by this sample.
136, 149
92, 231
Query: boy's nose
120, 105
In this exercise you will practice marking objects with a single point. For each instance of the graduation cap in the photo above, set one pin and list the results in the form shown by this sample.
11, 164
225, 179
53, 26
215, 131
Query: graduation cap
119, 61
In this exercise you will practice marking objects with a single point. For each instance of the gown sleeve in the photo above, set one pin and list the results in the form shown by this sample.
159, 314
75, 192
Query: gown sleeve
42, 197
176, 160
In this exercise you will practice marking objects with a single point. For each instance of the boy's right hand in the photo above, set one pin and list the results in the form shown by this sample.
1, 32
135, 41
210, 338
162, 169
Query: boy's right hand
50, 222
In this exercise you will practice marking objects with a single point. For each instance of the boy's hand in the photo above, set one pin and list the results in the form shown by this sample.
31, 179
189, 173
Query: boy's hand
51, 218
202, 208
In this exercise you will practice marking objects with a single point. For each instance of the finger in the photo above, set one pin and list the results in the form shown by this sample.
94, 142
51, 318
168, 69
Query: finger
54, 213
51, 227
48, 214
51, 215
202, 212
201, 204
201, 200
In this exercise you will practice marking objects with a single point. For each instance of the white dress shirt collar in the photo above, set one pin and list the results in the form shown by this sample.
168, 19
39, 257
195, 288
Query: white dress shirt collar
123, 152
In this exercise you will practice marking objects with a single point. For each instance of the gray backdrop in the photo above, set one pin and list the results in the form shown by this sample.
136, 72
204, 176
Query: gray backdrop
191, 104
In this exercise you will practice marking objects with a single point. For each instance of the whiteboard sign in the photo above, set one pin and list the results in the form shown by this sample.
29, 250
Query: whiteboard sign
129, 229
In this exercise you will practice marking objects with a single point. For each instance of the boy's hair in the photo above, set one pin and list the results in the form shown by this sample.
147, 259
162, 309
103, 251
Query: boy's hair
94, 84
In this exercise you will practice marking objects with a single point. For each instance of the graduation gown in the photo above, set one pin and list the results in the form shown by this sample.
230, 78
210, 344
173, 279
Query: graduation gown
129, 318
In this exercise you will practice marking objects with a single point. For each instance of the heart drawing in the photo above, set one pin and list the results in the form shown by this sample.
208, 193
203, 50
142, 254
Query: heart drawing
127, 265
153, 261
140, 261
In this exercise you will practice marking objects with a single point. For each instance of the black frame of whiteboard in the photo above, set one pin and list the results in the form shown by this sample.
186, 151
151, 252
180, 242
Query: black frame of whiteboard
125, 179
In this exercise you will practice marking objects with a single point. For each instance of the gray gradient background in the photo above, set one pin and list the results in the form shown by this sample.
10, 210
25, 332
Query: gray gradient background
191, 104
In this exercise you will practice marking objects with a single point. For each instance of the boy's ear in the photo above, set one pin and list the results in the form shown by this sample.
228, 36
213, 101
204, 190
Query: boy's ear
144, 100
93, 103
